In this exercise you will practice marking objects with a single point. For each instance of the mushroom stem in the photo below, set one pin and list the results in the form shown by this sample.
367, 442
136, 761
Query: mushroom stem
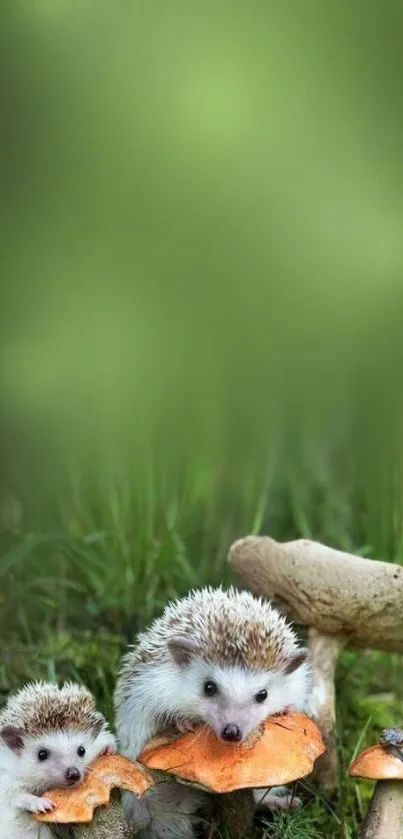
324, 652
384, 819
235, 813
108, 823
62, 831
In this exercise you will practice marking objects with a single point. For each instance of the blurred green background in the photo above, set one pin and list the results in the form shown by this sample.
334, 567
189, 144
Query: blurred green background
201, 314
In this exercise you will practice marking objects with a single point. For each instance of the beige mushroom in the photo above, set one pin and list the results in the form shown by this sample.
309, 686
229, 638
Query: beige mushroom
384, 764
340, 597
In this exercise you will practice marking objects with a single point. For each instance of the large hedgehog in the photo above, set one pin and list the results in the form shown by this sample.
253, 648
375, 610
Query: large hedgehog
219, 657
48, 738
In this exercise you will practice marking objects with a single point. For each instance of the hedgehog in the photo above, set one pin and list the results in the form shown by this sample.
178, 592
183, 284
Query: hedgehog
222, 658
48, 738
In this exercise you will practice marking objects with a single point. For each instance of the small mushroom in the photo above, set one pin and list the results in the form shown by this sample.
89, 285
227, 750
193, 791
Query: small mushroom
340, 597
384, 764
282, 751
75, 805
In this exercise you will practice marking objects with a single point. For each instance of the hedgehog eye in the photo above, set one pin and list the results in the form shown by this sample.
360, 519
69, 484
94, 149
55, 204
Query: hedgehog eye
43, 754
210, 688
81, 751
261, 696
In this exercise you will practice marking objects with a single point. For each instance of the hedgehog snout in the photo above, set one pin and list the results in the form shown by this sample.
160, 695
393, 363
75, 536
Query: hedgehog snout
72, 775
231, 733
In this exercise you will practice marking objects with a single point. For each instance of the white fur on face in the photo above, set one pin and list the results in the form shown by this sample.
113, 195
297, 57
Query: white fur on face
172, 691
37, 776
235, 703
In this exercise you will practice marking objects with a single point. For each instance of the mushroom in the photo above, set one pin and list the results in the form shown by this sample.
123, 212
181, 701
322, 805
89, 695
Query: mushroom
340, 597
282, 751
77, 804
384, 764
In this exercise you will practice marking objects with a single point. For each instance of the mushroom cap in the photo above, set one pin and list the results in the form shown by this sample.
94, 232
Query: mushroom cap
77, 804
335, 592
284, 750
377, 764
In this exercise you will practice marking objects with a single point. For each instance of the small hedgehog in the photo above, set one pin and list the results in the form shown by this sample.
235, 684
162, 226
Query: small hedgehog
223, 658
48, 738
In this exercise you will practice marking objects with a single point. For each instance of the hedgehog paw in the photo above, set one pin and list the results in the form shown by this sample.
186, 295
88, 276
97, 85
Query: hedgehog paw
187, 725
34, 804
110, 750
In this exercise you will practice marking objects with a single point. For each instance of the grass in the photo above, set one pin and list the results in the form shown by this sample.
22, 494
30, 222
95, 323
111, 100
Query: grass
84, 570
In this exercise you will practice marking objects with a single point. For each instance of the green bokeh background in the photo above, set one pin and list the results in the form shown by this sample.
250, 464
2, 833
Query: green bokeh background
202, 215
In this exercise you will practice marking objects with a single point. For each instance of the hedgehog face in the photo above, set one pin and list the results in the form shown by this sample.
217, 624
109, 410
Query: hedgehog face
233, 700
56, 759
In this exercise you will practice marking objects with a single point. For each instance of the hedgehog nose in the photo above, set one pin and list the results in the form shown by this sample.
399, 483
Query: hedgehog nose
231, 732
72, 775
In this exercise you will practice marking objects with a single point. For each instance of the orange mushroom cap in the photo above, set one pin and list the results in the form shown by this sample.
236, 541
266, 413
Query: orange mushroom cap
377, 764
77, 804
284, 750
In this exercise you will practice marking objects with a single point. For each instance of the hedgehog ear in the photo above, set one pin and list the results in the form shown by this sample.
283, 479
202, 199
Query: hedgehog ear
183, 649
13, 738
296, 660
97, 725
